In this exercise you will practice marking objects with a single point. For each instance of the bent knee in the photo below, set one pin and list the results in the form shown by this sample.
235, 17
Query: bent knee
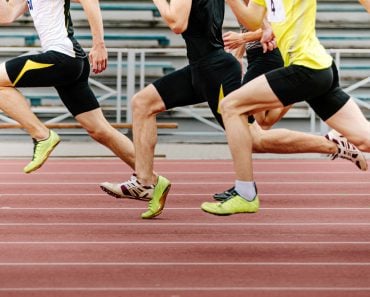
101, 133
228, 109
98, 134
146, 104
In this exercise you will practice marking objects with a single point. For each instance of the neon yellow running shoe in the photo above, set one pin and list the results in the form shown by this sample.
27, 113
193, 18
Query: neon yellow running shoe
234, 204
41, 151
156, 204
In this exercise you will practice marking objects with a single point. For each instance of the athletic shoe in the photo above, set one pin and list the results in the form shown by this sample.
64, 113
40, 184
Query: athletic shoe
235, 204
346, 150
224, 195
132, 189
41, 151
156, 204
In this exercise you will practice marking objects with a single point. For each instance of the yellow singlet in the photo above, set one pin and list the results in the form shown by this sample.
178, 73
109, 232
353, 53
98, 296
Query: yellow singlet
293, 23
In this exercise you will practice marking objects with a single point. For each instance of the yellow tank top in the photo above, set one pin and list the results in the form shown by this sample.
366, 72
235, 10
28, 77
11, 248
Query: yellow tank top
293, 23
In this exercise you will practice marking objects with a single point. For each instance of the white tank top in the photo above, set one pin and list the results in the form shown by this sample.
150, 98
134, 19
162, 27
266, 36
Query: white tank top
54, 26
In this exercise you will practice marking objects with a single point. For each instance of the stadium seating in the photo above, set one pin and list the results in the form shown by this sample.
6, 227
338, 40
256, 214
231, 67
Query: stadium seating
123, 7
31, 38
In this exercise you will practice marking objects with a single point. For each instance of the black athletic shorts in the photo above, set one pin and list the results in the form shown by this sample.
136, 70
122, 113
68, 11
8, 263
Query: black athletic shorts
320, 88
207, 80
260, 63
68, 75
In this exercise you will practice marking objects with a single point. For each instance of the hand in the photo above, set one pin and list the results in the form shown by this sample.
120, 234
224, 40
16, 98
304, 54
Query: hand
268, 45
268, 40
233, 40
98, 58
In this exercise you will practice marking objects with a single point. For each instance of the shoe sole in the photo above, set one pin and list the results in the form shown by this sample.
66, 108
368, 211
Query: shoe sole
47, 156
115, 195
162, 203
228, 214
218, 214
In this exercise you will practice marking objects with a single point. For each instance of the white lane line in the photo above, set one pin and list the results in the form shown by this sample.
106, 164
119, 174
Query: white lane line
122, 173
191, 183
189, 242
178, 208
183, 194
156, 225
67, 162
185, 264
185, 289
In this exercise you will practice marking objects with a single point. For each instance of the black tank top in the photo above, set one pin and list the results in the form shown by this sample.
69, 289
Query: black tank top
204, 32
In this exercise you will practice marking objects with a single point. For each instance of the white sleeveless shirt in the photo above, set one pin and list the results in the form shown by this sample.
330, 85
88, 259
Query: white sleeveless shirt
54, 26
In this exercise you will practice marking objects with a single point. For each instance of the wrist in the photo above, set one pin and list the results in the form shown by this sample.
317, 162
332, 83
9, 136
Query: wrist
245, 37
98, 42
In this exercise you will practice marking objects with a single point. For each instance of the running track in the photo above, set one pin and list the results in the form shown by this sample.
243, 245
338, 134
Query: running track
62, 236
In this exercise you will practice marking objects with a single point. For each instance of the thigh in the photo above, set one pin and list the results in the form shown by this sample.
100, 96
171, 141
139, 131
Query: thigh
176, 89
216, 78
4, 77
350, 122
260, 63
42, 70
78, 96
253, 97
330, 102
297, 83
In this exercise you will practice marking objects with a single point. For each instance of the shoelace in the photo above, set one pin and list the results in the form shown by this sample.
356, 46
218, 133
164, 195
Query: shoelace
233, 193
35, 142
35, 146
138, 188
227, 192
352, 151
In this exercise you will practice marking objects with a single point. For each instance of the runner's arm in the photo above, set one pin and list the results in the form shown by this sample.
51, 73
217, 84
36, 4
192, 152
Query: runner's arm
233, 40
12, 9
98, 55
250, 16
175, 13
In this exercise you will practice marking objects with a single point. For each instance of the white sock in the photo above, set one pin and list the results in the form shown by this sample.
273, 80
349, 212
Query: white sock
246, 189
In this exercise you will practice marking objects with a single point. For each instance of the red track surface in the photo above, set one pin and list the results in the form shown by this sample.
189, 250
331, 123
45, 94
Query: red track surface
62, 236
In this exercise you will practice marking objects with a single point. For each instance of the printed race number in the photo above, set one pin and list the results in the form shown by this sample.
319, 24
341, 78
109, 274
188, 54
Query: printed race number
275, 11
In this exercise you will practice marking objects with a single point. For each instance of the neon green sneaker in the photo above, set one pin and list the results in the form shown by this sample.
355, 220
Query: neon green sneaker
234, 204
41, 151
156, 204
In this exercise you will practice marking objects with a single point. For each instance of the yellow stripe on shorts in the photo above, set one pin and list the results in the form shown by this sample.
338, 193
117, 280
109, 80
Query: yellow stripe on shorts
220, 97
30, 65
